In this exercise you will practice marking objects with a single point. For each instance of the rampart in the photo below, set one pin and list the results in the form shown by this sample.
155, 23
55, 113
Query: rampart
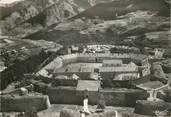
23, 103
69, 95
108, 82
150, 108
64, 91
89, 58
125, 83
123, 96
113, 97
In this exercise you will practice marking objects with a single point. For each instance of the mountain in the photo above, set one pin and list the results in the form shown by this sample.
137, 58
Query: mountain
133, 25
112, 22
39, 12
111, 10
28, 16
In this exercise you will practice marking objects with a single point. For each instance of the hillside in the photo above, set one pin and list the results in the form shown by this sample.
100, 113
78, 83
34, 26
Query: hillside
38, 13
118, 21
116, 8
28, 16
134, 26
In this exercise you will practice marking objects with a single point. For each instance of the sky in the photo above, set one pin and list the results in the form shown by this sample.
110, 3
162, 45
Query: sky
8, 1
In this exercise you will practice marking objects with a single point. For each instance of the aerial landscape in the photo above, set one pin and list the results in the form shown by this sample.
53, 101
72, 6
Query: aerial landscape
85, 58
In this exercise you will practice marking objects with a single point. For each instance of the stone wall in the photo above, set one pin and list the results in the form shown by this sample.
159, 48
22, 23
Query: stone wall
63, 95
87, 59
69, 95
23, 103
39, 86
123, 97
59, 82
145, 107
142, 80
65, 82
113, 97
165, 95
109, 82
92, 58
82, 75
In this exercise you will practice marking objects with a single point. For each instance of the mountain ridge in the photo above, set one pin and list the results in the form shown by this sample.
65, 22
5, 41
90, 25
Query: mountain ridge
41, 13
121, 7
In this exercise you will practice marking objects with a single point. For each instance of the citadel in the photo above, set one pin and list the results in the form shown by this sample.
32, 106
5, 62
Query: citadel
116, 79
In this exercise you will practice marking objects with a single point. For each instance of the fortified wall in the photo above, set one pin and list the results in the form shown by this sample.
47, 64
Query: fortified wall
113, 97
66, 90
90, 58
56, 67
24, 103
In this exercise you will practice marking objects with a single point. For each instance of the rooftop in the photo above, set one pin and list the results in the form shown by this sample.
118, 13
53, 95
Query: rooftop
119, 69
91, 85
112, 61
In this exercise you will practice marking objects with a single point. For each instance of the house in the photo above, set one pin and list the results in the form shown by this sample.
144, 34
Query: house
74, 48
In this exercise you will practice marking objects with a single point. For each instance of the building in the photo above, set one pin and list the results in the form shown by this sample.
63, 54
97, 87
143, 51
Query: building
86, 65
127, 76
159, 53
112, 63
74, 48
